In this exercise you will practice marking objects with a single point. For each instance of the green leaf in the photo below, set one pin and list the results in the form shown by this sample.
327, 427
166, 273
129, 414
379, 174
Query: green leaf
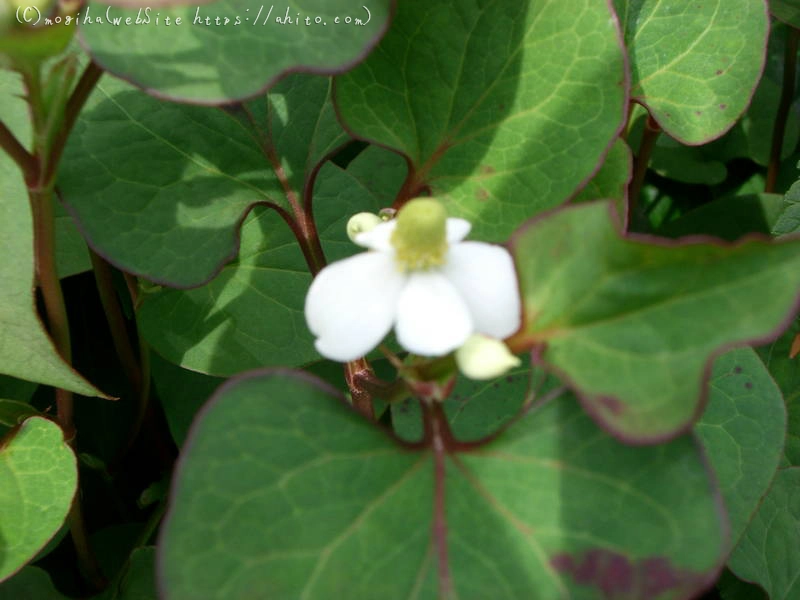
632, 325
474, 410
38, 478
26, 351
789, 219
729, 218
742, 430
732, 588
787, 11
16, 389
611, 181
13, 412
31, 583
786, 371
181, 393
768, 553
751, 137
251, 314
139, 583
160, 189
488, 124
695, 68
273, 452
673, 160
72, 257
237, 57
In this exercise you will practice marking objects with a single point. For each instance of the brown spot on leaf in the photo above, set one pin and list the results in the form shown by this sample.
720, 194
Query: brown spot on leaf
482, 195
737, 370
723, 106
620, 578
698, 112
487, 170
748, 385
720, 71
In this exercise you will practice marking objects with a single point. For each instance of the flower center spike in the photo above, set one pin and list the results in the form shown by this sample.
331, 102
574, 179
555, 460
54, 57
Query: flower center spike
420, 237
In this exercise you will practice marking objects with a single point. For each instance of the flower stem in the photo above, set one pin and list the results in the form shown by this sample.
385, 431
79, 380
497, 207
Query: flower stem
355, 374
646, 146
787, 95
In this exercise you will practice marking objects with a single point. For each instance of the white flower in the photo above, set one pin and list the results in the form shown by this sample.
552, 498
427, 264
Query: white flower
420, 277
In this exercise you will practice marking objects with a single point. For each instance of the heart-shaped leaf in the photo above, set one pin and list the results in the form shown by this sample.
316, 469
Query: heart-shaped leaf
218, 52
768, 553
742, 430
784, 366
38, 478
632, 325
160, 189
489, 125
694, 68
554, 506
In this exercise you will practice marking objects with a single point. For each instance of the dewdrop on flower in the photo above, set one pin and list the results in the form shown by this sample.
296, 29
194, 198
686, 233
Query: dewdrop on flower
419, 277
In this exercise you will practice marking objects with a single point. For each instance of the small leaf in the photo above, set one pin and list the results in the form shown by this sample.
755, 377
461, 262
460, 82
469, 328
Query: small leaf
694, 69
742, 430
38, 478
789, 219
14, 412
787, 11
139, 582
633, 326
768, 553
461, 88
729, 218
226, 50
31, 583
547, 506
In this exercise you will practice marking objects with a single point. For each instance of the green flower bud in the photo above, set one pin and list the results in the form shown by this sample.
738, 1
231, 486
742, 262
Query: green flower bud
482, 357
360, 223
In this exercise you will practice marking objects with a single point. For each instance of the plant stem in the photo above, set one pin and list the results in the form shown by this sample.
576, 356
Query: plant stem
56, 311
355, 373
116, 321
787, 95
18, 154
40, 193
72, 109
646, 146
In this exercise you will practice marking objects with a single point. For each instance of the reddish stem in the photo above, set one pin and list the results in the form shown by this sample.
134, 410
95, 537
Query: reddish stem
439, 437
787, 96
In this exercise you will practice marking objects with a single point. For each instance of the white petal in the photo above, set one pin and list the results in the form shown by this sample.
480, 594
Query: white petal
352, 303
432, 319
378, 238
457, 229
484, 276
